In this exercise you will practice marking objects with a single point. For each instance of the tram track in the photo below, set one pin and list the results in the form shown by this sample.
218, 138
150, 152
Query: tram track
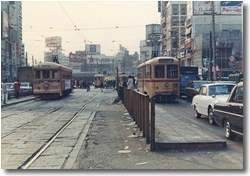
46, 145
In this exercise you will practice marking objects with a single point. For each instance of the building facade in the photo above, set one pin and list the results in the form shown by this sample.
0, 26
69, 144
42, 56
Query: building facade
187, 28
11, 39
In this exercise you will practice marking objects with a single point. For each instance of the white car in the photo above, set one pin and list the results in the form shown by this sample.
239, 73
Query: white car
210, 94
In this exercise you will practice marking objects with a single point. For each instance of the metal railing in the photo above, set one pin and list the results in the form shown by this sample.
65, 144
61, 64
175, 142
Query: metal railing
142, 110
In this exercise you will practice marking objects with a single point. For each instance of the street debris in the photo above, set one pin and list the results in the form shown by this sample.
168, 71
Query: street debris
124, 151
126, 147
141, 163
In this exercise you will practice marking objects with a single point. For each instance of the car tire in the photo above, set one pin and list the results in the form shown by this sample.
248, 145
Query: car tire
211, 116
197, 115
228, 132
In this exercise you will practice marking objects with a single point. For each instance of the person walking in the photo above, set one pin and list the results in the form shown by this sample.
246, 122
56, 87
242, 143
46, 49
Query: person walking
17, 88
5, 93
130, 83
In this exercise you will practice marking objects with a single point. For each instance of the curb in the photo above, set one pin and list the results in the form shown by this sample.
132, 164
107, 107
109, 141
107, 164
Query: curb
192, 145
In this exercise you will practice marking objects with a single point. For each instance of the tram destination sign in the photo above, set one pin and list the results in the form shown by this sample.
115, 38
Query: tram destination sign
165, 60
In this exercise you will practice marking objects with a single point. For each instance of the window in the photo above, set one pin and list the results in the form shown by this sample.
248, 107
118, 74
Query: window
148, 71
174, 11
237, 96
37, 74
45, 73
54, 75
204, 90
183, 11
172, 71
159, 71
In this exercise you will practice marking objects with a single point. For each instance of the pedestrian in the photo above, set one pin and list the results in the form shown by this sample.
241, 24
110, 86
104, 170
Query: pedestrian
17, 88
5, 93
130, 83
101, 86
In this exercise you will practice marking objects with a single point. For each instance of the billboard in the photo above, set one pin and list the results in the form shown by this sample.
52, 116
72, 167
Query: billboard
5, 25
205, 7
231, 7
92, 49
153, 32
53, 41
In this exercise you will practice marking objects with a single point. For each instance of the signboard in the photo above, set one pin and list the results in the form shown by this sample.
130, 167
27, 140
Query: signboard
231, 7
205, 7
92, 49
153, 32
67, 84
53, 41
5, 25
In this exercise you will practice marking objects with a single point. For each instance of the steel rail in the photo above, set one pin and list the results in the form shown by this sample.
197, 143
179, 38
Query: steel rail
31, 159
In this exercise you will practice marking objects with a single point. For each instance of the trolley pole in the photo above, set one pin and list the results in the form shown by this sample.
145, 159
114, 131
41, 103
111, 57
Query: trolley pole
213, 42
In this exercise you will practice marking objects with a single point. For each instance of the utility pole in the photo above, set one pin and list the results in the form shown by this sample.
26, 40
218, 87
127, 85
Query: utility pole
213, 42
26, 59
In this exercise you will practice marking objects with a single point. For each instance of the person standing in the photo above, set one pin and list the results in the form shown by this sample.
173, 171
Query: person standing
102, 86
17, 88
5, 93
130, 83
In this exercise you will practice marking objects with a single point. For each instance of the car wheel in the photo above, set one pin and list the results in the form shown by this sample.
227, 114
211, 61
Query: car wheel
211, 116
197, 115
228, 132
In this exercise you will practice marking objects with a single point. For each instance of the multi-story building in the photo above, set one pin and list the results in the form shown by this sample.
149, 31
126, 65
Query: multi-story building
187, 28
11, 41
150, 47
173, 17
228, 36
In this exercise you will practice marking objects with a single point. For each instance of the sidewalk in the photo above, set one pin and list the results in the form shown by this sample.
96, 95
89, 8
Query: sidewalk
172, 133
13, 101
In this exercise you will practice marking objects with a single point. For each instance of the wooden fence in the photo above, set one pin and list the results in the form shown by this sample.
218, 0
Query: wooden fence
142, 110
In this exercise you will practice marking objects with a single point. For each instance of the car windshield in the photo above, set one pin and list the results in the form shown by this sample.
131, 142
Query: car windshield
24, 85
10, 86
220, 89
197, 85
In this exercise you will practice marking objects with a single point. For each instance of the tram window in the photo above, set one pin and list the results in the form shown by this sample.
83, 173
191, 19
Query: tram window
172, 71
159, 71
45, 73
148, 71
37, 74
54, 74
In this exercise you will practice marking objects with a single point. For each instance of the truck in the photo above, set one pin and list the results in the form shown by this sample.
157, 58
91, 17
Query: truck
24, 74
187, 74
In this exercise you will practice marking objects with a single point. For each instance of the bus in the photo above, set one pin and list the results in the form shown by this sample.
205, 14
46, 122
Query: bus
160, 78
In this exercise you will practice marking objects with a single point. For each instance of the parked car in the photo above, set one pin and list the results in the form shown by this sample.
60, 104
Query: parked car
230, 114
26, 89
11, 90
193, 88
210, 94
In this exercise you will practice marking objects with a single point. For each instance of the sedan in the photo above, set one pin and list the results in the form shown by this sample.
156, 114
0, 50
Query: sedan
26, 89
210, 94
230, 114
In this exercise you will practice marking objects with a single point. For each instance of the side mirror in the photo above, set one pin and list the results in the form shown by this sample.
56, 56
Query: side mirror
213, 96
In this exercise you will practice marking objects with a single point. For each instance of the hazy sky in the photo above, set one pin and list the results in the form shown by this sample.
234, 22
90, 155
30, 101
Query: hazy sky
97, 22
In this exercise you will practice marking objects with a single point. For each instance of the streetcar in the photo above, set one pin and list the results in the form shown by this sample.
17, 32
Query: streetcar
51, 80
123, 79
160, 78
98, 78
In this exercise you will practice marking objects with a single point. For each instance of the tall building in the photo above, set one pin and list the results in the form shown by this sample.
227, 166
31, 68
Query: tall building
11, 41
228, 36
173, 17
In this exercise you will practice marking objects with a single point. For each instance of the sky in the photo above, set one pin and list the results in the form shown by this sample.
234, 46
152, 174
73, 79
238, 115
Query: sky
108, 23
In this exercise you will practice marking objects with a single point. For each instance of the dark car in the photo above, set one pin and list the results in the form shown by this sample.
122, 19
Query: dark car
193, 88
230, 114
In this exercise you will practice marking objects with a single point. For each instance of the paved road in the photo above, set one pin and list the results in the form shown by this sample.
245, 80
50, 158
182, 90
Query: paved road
102, 137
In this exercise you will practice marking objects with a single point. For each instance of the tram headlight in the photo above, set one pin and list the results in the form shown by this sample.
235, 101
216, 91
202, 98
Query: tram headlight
166, 84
